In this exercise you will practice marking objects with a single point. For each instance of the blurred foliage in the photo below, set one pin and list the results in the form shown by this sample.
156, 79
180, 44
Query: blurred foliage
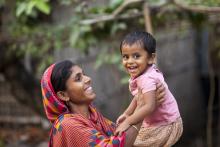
34, 33
210, 3
27, 7
2, 2
1, 143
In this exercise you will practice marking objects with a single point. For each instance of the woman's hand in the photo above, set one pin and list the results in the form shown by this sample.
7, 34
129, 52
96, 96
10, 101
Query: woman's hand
160, 93
122, 128
121, 118
139, 99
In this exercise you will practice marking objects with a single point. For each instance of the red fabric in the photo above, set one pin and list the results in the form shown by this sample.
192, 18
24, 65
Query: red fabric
74, 130
53, 106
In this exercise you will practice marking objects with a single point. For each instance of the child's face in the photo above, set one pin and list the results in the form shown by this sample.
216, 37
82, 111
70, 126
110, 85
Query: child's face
135, 59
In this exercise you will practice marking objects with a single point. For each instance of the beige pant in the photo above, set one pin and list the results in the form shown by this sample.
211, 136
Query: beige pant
162, 136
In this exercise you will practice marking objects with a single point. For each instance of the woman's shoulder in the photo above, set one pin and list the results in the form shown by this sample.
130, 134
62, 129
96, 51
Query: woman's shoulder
69, 119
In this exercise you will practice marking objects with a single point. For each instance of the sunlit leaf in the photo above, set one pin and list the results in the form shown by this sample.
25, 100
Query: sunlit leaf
30, 7
115, 3
43, 7
21, 7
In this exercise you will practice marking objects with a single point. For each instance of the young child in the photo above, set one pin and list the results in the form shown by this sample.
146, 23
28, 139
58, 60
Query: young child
162, 125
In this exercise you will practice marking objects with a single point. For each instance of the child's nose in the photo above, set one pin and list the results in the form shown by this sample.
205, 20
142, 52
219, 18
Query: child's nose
130, 60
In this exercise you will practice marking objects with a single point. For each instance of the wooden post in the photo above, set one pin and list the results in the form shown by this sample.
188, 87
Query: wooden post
147, 18
147, 21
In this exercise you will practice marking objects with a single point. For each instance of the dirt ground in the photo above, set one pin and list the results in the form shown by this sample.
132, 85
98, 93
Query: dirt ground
30, 136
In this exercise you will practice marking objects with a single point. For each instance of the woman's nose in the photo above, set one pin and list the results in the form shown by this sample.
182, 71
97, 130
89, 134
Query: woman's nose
87, 79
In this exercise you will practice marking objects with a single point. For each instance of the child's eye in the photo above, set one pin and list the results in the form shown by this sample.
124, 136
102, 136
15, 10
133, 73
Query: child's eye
125, 57
136, 56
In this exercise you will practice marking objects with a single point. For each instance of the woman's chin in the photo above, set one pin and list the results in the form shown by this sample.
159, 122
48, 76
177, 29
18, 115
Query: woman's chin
92, 96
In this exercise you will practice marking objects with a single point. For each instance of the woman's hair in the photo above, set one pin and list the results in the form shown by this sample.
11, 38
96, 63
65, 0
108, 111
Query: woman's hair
145, 39
60, 74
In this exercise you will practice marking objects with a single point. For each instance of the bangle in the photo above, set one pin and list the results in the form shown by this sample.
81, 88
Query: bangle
135, 127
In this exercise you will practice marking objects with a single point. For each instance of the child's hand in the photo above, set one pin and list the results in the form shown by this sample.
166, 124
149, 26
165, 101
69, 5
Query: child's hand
121, 128
121, 118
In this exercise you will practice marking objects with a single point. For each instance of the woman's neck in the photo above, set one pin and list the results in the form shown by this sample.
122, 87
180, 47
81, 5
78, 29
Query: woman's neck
81, 109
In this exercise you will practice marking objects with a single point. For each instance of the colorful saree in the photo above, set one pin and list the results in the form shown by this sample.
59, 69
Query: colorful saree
75, 130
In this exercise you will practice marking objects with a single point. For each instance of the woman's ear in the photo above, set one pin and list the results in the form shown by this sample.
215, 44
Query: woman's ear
152, 59
63, 96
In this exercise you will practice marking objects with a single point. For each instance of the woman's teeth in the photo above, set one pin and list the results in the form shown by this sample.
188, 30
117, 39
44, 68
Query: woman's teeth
89, 89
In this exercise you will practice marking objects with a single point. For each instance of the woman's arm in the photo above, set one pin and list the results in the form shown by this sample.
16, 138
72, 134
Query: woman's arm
131, 134
160, 93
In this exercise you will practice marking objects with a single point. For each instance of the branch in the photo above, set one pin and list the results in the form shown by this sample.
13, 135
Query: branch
115, 14
201, 9
110, 17
177, 3
124, 5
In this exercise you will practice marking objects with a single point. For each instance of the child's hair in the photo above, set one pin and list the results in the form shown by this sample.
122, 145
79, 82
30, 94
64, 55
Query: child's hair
145, 39
60, 74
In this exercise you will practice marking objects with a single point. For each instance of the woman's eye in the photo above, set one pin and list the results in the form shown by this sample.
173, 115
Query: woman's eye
77, 78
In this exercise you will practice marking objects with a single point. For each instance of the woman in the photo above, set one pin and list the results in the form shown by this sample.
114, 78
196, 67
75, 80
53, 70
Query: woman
67, 98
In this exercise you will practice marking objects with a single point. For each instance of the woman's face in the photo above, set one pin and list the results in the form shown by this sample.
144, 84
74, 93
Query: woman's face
78, 87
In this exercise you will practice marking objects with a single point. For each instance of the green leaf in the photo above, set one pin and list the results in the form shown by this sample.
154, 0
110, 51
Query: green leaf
21, 8
43, 6
115, 3
74, 36
30, 7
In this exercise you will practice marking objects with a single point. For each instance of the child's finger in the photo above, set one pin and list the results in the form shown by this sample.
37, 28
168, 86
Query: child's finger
119, 134
116, 132
117, 121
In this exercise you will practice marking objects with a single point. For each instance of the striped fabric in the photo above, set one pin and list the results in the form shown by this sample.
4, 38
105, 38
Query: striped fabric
52, 105
74, 130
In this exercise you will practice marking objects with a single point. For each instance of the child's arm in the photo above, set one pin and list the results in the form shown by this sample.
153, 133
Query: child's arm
148, 104
131, 107
128, 111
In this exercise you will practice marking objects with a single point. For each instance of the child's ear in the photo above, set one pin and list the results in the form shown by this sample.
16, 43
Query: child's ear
63, 96
152, 59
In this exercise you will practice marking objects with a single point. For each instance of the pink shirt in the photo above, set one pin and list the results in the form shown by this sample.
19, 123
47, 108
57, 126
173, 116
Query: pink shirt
165, 113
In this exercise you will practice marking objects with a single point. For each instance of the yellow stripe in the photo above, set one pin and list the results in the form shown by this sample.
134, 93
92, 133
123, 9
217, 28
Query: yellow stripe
48, 104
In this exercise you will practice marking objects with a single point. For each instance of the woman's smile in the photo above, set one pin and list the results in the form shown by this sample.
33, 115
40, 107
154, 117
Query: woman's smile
89, 90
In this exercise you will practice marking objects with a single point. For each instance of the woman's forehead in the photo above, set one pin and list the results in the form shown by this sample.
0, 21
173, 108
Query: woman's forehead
76, 69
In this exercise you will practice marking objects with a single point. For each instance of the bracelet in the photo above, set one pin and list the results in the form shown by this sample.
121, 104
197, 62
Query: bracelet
135, 127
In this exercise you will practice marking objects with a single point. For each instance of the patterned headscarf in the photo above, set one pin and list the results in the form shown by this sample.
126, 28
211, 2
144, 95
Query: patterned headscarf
53, 106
